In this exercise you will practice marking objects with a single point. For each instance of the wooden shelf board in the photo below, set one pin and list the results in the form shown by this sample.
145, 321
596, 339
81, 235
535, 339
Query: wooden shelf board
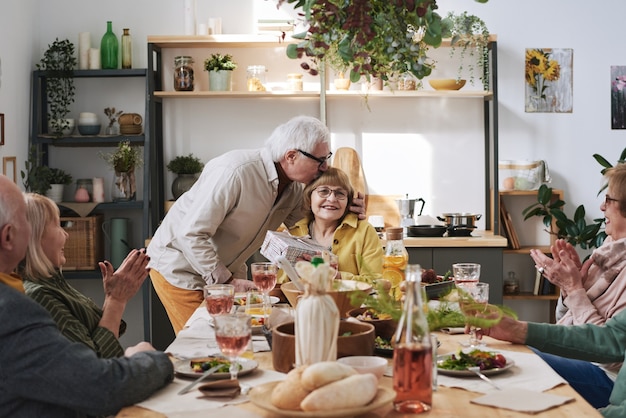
237, 41
331, 94
530, 296
557, 192
526, 249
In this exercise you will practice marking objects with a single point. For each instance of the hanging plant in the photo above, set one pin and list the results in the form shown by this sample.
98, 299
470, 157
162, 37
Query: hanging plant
470, 40
59, 61
373, 38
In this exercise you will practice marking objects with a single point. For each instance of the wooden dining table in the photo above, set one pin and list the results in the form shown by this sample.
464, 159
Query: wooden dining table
447, 401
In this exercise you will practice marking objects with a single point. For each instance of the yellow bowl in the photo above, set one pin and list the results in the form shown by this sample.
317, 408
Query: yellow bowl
341, 296
446, 83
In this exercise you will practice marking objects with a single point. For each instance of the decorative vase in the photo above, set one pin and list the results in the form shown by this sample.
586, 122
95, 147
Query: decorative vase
342, 83
112, 129
220, 80
108, 49
127, 51
124, 188
55, 192
182, 183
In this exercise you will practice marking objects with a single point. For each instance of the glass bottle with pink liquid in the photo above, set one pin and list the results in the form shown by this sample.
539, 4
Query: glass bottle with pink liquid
412, 354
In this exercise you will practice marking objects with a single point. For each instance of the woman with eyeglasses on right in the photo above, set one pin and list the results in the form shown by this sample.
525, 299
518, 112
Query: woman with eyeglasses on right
331, 224
591, 292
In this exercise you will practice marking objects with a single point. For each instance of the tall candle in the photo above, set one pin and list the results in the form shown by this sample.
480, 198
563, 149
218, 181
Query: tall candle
84, 44
94, 58
98, 189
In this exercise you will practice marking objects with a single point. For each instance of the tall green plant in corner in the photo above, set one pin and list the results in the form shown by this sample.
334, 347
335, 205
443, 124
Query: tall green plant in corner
58, 62
576, 230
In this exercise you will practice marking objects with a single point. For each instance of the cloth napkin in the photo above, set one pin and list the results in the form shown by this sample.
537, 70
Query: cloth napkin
168, 402
530, 373
522, 400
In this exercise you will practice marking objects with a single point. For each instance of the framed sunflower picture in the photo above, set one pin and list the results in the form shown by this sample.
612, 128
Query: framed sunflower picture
548, 73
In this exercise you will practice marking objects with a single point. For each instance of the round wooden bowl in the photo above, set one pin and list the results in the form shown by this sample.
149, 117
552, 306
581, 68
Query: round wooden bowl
446, 83
384, 328
355, 339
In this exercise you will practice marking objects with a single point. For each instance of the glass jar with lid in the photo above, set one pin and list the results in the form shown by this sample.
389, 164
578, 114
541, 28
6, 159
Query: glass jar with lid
294, 82
256, 77
511, 284
407, 81
183, 73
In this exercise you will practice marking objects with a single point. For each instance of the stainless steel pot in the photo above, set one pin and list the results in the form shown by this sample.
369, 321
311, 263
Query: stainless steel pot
460, 220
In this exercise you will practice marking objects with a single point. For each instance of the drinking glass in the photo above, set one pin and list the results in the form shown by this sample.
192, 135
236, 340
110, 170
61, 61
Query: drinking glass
233, 333
264, 277
473, 301
466, 272
219, 298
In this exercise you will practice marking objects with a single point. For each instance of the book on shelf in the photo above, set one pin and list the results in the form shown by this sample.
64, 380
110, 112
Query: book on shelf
547, 288
509, 228
538, 279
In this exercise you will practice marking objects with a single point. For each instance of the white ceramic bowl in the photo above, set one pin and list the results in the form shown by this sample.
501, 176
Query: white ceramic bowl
366, 364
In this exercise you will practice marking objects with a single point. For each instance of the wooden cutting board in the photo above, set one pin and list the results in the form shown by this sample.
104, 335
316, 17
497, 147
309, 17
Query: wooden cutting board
386, 206
348, 160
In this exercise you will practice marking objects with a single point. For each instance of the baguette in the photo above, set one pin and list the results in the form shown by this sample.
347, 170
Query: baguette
289, 393
353, 391
324, 372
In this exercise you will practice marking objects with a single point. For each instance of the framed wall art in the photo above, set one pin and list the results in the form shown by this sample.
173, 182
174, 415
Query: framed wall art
1, 128
9, 168
548, 73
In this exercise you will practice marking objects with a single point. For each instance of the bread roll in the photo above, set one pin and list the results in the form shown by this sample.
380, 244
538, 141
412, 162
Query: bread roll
352, 392
320, 374
289, 393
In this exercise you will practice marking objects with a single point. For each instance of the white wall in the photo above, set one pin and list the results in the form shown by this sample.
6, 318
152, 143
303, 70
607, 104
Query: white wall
566, 141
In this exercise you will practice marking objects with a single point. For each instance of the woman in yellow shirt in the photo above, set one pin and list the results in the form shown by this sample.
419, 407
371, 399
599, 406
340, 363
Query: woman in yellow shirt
330, 223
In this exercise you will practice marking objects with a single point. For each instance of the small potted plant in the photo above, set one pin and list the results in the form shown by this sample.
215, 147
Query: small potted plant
57, 180
187, 168
220, 68
124, 160
35, 177
113, 116
58, 62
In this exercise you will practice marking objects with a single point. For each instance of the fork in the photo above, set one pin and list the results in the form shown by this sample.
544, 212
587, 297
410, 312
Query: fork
476, 370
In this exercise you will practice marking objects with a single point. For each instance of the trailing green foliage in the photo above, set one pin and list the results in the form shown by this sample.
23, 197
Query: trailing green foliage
59, 61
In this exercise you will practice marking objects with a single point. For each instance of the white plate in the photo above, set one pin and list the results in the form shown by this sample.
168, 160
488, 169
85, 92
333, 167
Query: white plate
183, 369
460, 373
240, 299
261, 397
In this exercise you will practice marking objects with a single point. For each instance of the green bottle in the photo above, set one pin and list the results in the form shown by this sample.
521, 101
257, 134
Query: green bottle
108, 49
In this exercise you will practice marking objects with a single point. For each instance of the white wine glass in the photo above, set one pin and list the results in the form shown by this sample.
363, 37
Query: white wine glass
473, 301
233, 333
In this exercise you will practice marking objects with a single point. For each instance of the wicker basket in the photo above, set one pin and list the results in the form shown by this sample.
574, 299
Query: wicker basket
84, 246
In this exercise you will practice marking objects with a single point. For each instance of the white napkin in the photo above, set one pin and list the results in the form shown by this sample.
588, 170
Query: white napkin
522, 400
530, 372
167, 401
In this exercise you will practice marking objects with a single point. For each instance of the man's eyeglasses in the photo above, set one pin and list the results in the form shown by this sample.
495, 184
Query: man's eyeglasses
608, 199
320, 160
324, 192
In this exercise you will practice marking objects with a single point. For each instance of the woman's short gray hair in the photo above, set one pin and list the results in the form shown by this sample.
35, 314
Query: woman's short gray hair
301, 132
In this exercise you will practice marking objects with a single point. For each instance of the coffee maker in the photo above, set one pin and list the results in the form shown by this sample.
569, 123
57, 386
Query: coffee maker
407, 210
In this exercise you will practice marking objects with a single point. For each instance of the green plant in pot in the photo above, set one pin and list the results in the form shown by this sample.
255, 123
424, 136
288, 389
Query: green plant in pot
576, 231
220, 68
36, 176
375, 38
58, 179
187, 168
59, 62
470, 41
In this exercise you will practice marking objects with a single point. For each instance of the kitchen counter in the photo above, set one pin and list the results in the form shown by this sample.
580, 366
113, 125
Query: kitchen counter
477, 239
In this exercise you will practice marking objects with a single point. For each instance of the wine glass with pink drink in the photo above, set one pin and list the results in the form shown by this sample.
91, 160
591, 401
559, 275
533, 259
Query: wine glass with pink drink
219, 298
264, 278
233, 333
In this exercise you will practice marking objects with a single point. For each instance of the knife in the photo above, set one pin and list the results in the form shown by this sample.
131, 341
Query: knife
200, 379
